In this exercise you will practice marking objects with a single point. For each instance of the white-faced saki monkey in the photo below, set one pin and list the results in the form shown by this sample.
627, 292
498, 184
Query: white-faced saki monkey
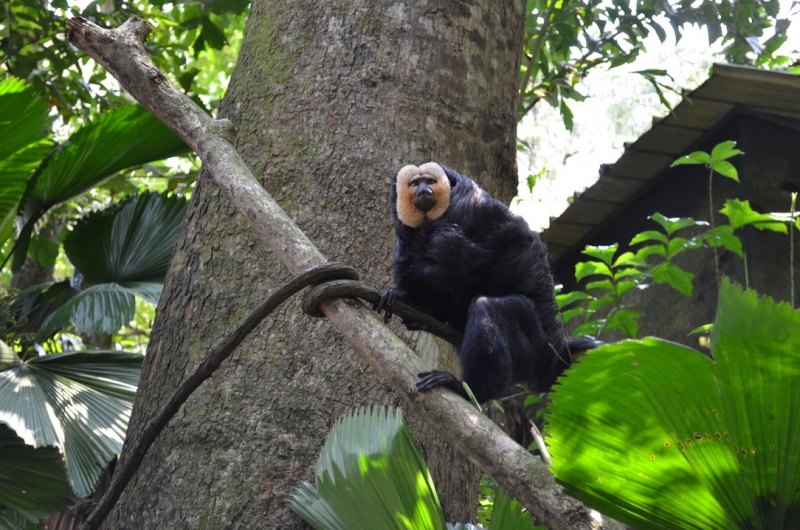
465, 259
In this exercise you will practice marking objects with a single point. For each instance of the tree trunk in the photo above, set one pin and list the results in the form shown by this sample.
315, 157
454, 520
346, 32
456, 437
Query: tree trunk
330, 99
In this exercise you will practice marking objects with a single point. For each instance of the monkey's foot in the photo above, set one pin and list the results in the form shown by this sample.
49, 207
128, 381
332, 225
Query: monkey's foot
436, 378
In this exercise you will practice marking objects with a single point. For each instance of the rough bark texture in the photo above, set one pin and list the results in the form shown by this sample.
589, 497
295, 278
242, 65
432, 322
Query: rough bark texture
329, 100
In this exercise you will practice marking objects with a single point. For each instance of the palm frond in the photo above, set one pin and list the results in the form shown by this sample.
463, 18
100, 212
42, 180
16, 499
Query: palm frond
79, 402
370, 475
660, 436
119, 139
32, 485
130, 241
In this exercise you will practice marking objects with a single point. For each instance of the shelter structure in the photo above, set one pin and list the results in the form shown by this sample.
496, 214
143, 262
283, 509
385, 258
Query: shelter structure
758, 109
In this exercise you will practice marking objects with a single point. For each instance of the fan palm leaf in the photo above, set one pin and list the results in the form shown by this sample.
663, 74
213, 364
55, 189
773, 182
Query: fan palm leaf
32, 485
370, 475
22, 145
660, 436
79, 402
119, 139
131, 241
119, 252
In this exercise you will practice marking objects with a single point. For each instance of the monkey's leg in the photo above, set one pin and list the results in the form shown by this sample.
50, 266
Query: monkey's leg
493, 331
504, 343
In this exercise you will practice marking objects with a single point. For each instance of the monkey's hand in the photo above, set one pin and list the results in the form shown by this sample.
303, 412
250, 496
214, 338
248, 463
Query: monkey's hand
386, 303
436, 378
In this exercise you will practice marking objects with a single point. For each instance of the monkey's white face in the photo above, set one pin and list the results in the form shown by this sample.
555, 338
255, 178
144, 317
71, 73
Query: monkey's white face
414, 186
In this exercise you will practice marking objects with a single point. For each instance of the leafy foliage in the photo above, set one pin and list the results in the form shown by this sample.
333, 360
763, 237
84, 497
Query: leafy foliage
116, 252
566, 39
740, 214
37, 473
119, 139
191, 45
659, 436
79, 402
22, 146
601, 303
370, 475
387, 482
717, 160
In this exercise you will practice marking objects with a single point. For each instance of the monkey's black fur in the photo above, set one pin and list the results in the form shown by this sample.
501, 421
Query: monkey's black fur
483, 271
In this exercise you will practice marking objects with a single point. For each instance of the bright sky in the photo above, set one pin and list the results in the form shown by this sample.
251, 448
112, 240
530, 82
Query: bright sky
620, 107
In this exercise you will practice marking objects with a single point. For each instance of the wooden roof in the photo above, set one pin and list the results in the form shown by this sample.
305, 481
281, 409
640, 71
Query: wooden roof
729, 88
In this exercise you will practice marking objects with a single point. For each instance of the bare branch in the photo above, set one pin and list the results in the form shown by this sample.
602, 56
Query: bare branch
121, 52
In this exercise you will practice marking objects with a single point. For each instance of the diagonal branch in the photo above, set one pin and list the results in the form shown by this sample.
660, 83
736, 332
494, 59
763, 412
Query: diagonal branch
121, 52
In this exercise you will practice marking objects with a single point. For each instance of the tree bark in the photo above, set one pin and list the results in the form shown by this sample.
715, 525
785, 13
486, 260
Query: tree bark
329, 100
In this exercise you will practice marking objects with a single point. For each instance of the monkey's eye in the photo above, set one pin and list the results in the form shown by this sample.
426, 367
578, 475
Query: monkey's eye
422, 180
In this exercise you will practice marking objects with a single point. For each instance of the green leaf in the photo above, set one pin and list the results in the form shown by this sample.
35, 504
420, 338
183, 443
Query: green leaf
37, 303
590, 268
724, 151
659, 436
723, 236
99, 309
122, 138
508, 514
672, 224
127, 242
632, 468
676, 246
726, 169
370, 475
566, 115
79, 402
698, 157
565, 300
603, 253
648, 235
645, 252
589, 328
602, 284
24, 116
626, 258
210, 36
43, 251
531, 182
630, 272
673, 275
740, 214
32, 484
572, 313
594, 305
624, 320
706, 328
16, 171
622, 288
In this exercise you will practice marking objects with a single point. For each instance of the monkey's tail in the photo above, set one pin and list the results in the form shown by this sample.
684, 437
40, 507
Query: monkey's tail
572, 347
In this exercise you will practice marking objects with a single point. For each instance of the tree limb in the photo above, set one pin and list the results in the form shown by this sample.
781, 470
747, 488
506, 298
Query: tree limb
121, 52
